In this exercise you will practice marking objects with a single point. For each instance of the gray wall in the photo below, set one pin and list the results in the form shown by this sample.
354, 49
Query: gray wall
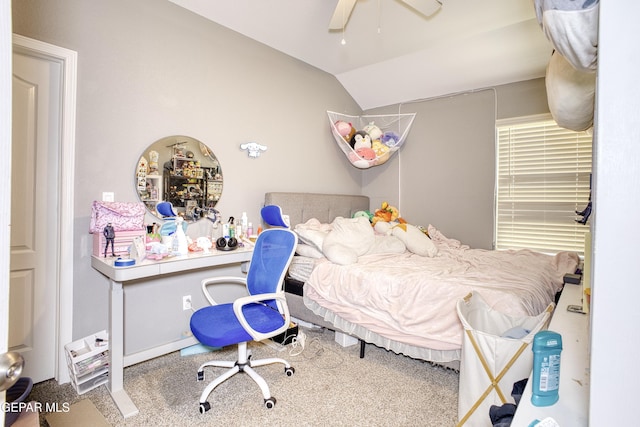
149, 69
445, 173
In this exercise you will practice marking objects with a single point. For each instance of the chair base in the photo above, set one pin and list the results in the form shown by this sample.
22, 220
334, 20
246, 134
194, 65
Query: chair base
243, 364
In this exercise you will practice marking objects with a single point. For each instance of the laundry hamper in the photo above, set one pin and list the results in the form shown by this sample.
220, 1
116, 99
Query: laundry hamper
496, 353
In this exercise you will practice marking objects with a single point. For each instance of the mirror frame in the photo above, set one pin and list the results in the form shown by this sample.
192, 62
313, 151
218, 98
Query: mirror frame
181, 170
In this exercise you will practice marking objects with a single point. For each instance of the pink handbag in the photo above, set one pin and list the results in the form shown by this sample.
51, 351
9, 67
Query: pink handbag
123, 216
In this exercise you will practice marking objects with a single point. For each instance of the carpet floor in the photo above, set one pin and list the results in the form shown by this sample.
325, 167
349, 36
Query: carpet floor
331, 386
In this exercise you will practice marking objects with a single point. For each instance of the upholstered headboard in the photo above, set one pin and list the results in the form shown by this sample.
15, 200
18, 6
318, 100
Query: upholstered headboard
300, 207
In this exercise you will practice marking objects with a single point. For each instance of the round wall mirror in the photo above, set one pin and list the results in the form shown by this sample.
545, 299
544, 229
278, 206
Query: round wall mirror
180, 170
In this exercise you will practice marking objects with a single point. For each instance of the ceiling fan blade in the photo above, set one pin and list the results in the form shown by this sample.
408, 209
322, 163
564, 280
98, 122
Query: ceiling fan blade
341, 14
425, 7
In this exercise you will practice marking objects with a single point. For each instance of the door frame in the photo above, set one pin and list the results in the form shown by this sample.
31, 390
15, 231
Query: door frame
5, 175
68, 59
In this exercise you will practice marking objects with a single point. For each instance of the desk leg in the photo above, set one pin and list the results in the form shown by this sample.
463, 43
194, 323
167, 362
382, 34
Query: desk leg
116, 352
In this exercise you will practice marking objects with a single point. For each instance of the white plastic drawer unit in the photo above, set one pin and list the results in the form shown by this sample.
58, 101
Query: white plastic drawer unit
88, 361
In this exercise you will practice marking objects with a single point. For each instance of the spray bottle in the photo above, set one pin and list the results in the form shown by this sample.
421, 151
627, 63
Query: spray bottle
180, 244
232, 227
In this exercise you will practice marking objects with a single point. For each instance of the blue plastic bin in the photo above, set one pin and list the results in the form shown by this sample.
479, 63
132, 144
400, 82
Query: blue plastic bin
17, 393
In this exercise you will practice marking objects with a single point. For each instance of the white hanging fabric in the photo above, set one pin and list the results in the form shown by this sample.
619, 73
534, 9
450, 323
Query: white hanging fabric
370, 140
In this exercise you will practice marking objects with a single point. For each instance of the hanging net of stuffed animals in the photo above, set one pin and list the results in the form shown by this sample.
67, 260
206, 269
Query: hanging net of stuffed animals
370, 140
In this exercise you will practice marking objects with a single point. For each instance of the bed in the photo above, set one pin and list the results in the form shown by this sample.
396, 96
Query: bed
401, 300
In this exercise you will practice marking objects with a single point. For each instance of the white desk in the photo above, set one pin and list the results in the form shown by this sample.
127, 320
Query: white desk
572, 409
147, 269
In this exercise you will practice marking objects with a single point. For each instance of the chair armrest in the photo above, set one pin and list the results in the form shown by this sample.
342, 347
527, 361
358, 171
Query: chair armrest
227, 280
258, 336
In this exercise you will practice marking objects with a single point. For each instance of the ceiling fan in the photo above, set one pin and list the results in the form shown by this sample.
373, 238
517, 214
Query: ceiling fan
344, 8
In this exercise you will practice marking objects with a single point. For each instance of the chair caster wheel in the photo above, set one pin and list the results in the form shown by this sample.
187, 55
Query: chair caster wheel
204, 407
201, 376
270, 402
289, 371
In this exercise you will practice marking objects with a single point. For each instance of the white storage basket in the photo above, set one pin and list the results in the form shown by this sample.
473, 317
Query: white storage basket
491, 362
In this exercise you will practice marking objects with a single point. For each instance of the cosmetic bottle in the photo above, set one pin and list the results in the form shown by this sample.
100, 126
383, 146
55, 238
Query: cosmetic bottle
180, 245
547, 348
232, 227
244, 221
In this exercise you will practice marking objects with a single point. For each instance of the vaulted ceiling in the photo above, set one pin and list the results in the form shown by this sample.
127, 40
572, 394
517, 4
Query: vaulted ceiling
392, 54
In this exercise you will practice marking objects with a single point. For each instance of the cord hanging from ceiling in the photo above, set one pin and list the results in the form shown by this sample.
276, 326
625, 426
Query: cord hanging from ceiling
344, 22
379, 16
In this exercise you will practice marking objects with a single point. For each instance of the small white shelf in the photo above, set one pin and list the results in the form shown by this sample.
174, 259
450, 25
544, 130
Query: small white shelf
88, 361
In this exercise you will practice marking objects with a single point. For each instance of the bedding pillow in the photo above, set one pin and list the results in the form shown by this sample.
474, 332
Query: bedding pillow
312, 233
570, 94
308, 251
349, 239
386, 245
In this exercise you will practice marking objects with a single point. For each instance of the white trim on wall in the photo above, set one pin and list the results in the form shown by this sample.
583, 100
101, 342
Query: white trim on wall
64, 282
5, 172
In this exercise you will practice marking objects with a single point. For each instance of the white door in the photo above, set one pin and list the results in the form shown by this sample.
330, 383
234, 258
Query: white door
34, 214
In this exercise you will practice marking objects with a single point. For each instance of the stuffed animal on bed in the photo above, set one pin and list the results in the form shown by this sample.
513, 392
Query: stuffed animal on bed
386, 213
346, 239
351, 238
387, 221
365, 214
413, 238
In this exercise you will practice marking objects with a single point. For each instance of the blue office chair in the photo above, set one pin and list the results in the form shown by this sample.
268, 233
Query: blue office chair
260, 315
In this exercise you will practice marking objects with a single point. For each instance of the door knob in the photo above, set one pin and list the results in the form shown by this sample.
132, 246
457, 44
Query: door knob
11, 364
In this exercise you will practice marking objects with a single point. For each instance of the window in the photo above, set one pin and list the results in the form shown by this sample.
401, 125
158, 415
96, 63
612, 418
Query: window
543, 178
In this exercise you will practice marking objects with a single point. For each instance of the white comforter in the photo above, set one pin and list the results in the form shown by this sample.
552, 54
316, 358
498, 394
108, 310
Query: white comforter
412, 299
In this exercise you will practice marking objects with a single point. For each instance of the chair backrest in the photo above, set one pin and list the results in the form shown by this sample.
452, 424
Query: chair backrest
271, 257
272, 216
165, 209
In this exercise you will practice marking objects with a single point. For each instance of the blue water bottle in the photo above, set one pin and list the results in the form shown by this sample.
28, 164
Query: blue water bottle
547, 346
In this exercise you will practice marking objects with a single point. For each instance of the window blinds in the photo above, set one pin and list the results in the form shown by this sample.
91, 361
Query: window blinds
543, 178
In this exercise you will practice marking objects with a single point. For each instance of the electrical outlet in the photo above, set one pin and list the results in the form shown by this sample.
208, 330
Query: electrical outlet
186, 302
